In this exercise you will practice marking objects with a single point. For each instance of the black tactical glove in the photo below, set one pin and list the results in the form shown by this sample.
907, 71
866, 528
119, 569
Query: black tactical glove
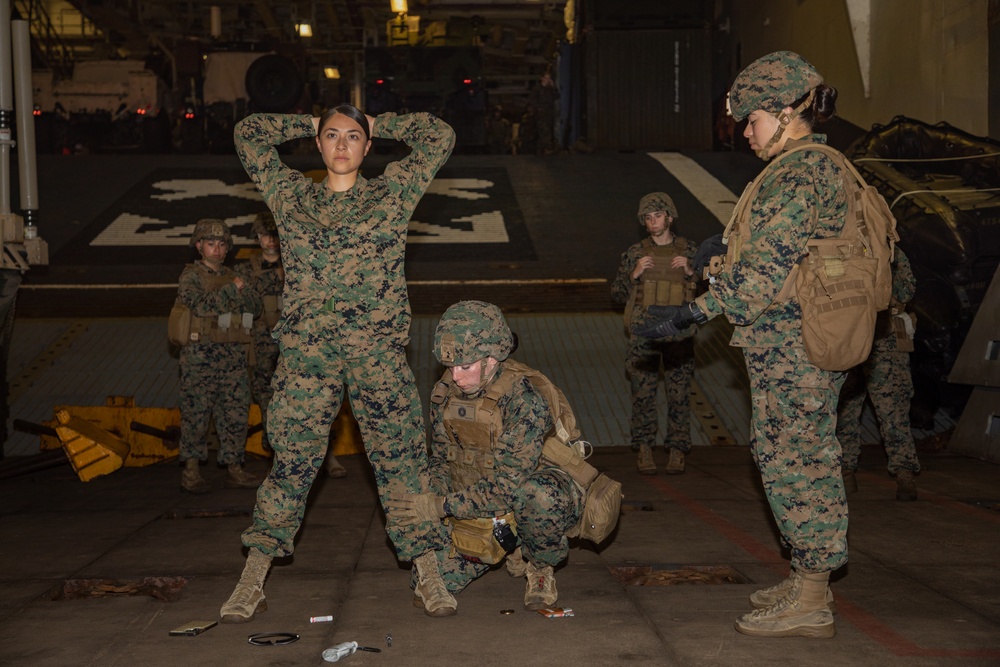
709, 248
669, 320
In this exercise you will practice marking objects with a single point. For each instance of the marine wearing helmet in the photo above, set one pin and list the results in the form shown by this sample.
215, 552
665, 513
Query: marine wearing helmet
264, 224
471, 331
773, 83
208, 229
656, 201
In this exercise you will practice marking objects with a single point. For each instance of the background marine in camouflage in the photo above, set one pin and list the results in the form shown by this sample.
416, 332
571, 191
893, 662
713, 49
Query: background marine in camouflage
214, 382
488, 428
658, 271
794, 403
344, 323
885, 378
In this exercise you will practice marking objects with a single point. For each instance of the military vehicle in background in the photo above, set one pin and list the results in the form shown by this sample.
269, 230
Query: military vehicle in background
943, 186
106, 106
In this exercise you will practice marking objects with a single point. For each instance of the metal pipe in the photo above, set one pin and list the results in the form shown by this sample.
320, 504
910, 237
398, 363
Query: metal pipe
6, 106
26, 163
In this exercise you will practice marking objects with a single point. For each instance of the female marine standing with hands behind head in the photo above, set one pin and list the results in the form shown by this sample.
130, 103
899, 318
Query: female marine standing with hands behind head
343, 327
794, 403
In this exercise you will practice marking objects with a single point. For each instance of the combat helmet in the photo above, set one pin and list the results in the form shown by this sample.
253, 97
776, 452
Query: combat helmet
472, 330
211, 228
264, 224
657, 201
771, 83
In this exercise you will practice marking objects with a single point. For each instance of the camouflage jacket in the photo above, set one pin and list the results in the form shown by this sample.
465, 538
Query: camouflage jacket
624, 286
344, 251
517, 452
799, 199
205, 303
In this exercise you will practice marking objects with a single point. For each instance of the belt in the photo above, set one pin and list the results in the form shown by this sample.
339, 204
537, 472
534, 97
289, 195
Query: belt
330, 305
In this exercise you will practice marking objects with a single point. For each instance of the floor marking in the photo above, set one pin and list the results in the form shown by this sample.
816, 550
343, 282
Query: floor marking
716, 197
864, 622
44, 359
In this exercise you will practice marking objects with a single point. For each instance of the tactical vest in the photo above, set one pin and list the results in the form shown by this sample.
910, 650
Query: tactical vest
663, 285
185, 327
272, 303
473, 426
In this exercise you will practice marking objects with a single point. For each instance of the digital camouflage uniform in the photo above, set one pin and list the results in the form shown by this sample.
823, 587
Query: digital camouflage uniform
486, 453
214, 381
793, 402
885, 378
644, 356
545, 501
345, 322
267, 280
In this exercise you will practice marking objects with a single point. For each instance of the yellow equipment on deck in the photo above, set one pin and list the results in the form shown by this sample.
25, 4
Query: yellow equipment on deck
91, 450
152, 435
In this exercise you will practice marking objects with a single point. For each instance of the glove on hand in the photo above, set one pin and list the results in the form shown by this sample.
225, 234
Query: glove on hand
411, 508
709, 248
660, 324
669, 320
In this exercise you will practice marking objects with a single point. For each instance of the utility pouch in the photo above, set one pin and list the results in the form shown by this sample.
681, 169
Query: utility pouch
904, 338
601, 508
272, 310
179, 325
571, 461
485, 540
835, 287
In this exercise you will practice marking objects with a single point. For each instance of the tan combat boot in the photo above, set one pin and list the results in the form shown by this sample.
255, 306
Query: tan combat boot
644, 462
333, 467
675, 464
191, 479
431, 592
765, 597
850, 480
248, 597
802, 612
237, 477
540, 592
516, 565
906, 487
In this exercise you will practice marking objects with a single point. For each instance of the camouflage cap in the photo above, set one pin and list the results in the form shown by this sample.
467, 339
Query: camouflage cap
771, 83
657, 201
263, 223
472, 330
211, 228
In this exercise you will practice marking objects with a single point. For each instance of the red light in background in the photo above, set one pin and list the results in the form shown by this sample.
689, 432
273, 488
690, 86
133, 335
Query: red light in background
379, 82
467, 82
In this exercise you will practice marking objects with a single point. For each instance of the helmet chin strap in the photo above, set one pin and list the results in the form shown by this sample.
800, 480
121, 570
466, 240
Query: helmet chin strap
483, 378
784, 120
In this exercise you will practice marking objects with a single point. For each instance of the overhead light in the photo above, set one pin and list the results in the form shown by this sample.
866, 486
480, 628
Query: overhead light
332, 72
398, 6
304, 30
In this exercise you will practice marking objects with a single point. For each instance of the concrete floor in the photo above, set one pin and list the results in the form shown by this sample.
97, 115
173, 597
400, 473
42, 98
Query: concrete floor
922, 587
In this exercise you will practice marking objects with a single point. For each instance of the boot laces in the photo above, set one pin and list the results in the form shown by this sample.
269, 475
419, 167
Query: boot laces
432, 587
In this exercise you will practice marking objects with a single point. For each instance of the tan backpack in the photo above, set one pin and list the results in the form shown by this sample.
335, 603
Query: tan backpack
562, 449
842, 282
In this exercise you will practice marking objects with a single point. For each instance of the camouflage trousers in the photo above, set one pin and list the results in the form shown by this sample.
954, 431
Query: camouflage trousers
643, 362
309, 385
885, 379
261, 374
214, 384
794, 443
545, 507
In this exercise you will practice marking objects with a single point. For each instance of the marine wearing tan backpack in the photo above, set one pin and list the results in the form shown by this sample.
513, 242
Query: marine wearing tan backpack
840, 283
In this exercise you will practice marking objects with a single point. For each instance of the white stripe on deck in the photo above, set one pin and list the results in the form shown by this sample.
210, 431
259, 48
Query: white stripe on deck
713, 195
